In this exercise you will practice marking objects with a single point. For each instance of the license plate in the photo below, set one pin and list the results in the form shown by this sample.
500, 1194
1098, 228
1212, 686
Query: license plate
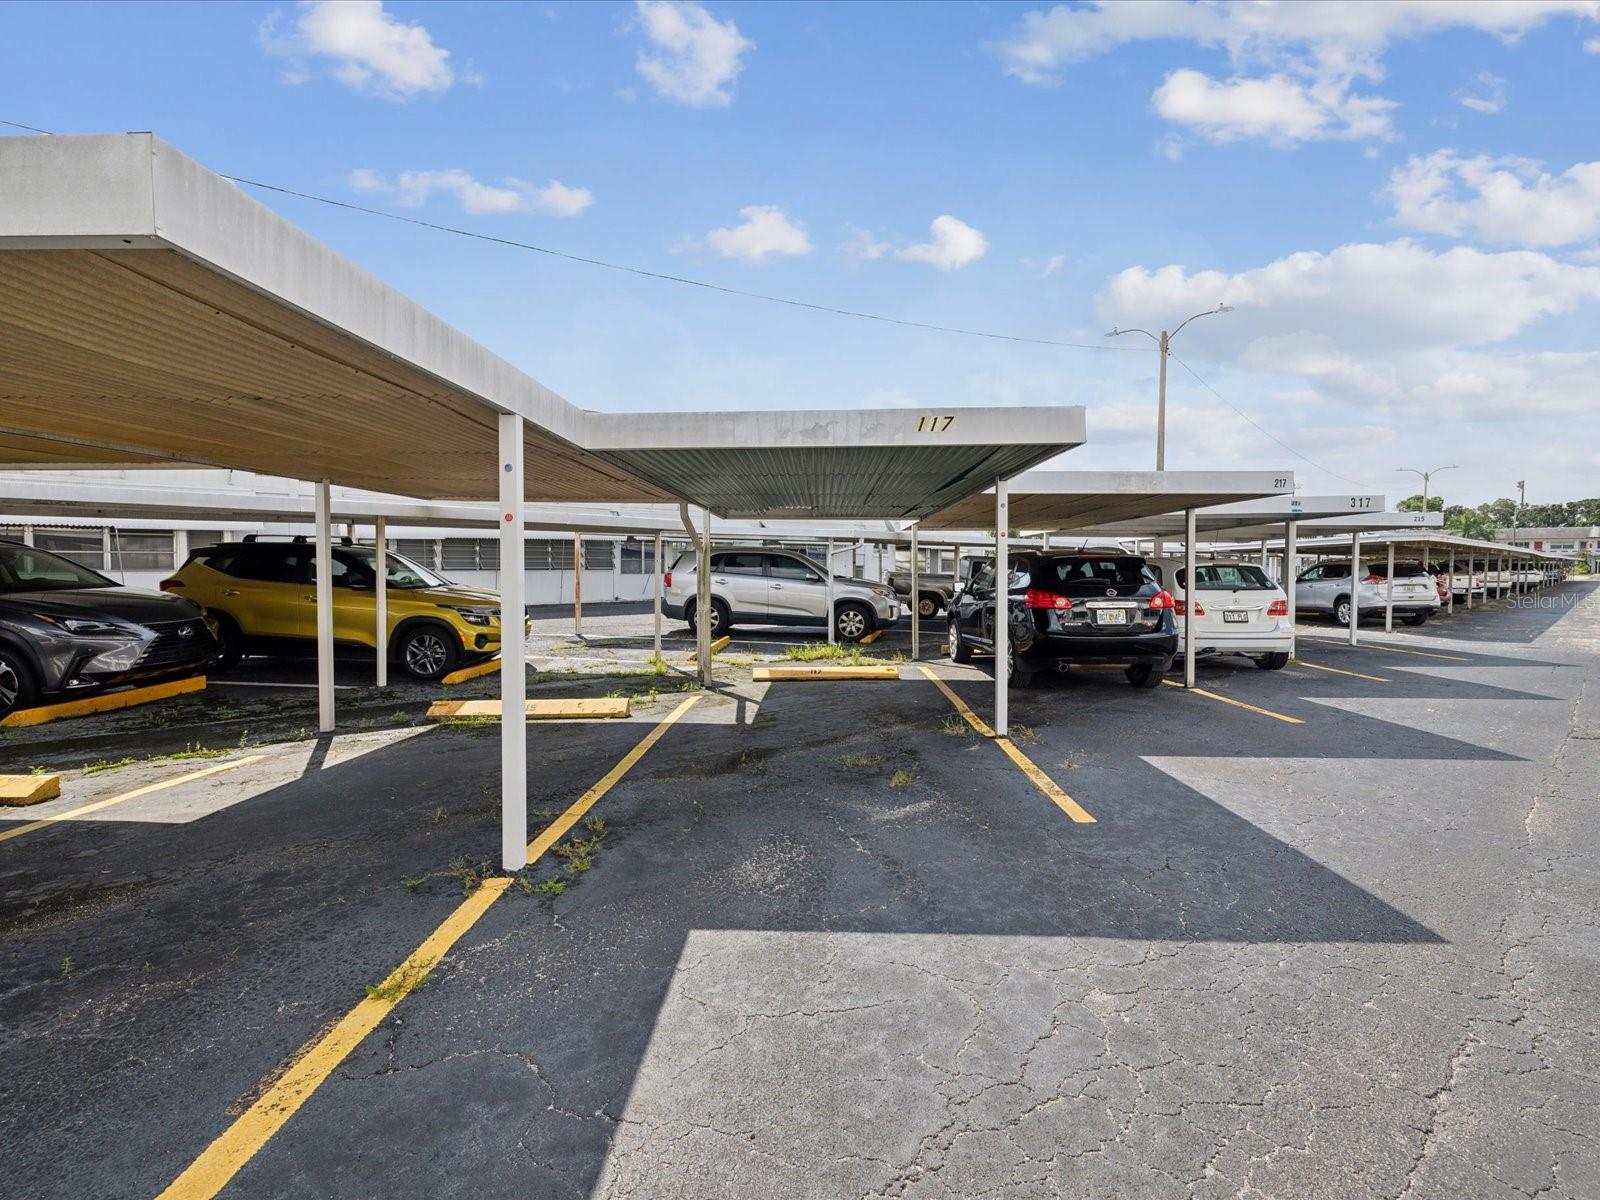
1110, 616
1235, 616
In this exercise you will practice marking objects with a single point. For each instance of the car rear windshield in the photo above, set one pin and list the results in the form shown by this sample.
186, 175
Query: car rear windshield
25, 569
1402, 570
1089, 570
1228, 577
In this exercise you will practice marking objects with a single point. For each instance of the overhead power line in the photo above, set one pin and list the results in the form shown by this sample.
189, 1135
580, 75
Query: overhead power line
1251, 422
680, 279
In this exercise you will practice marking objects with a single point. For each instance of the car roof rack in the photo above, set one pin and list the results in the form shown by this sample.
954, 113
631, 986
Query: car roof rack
295, 539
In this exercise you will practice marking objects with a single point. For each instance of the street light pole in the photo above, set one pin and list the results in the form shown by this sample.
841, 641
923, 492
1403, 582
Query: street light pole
1426, 476
1516, 513
1164, 345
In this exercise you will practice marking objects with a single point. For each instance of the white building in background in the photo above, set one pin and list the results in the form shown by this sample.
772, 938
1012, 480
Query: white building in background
1582, 540
617, 565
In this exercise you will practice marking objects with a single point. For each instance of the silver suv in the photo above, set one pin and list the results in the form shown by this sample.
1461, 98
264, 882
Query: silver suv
756, 585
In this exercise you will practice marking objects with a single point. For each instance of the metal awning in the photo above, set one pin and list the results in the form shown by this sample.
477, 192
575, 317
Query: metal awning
151, 312
890, 463
1364, 523
1075, 501
1243, 514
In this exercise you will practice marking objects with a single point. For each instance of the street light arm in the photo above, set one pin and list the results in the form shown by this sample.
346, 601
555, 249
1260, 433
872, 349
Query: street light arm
1146, 332
1210, 312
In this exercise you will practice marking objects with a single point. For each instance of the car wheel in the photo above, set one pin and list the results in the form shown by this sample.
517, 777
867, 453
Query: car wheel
852, 622
720, 621
960, 652
928, 606
1341, 611
232, 640
1273, 662
17, 689
1420, 618
1143, 675
429, 651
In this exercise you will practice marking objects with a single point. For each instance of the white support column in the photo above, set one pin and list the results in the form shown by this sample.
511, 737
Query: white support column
1355, 585
1291, 533
828, 575
916, 599
659, 569
513, 652
324, 569
702, 625
1450, 586
1189, 595
1470, 576
577, 585
380, 595
1388, 594
1002, 606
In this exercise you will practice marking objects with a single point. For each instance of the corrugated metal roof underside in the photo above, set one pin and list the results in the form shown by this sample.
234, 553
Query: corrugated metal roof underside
145, 355
836, 482
1073, 513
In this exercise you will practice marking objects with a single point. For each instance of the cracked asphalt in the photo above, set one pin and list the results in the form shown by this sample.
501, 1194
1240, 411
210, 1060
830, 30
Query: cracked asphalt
834, 944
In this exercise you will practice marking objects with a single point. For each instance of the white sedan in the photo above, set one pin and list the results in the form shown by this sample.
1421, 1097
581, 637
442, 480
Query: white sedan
1238, 610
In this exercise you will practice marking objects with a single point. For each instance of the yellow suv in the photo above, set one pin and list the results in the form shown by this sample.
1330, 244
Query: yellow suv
262, 596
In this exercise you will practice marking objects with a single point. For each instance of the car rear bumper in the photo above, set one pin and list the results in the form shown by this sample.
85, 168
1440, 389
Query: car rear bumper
1158, 648
1244, 643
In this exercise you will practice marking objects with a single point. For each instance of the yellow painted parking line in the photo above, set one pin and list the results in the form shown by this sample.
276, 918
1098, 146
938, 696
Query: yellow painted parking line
1038, 778
1300, 662
7, 834
554, 832
1265, 712
238, 1144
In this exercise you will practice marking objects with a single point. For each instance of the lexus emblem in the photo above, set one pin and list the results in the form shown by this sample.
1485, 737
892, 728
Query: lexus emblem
1111, 591
186, 631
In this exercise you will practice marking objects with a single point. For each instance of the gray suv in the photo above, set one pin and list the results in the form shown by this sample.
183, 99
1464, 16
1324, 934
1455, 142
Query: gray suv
756, 585
66, 630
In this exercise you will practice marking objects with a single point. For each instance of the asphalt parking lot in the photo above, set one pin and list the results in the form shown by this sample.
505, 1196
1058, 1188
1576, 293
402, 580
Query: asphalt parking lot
1321, 932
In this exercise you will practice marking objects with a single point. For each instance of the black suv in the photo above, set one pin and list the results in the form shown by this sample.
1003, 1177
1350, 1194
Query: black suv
66, 631
1087, 606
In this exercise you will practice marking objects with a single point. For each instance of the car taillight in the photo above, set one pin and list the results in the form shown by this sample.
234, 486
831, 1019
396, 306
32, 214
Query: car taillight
666, 580
171, 585
1162, 600
1373, 579
1039, 598
1180, 609
1278, 608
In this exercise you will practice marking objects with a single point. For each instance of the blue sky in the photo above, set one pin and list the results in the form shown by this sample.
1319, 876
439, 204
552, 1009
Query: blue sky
1401, 202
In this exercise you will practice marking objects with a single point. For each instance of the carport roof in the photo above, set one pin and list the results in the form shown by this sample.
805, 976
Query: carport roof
1074, 501
152, 312
1430, 542
1244, 514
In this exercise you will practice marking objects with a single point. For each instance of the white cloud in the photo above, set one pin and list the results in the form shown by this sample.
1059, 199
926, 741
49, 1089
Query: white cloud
413, 188
863, 247
370, 50
1305, 58
1592, 46
1276, 108
1487, 95
1509, 201
953, 244
765, 231
696, 57
1362, 297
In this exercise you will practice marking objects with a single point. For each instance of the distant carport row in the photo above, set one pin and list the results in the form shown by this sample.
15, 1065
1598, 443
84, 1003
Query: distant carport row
1071, 501
150, 312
